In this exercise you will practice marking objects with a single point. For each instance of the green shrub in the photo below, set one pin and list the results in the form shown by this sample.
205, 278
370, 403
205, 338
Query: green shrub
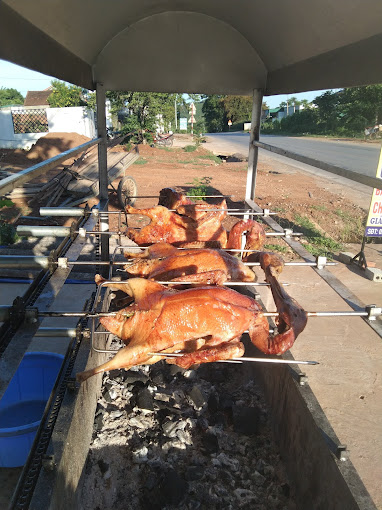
190, 148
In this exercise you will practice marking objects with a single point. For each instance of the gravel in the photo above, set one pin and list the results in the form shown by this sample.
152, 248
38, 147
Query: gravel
166, 438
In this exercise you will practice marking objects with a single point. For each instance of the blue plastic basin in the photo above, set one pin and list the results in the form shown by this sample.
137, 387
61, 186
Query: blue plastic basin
23, 404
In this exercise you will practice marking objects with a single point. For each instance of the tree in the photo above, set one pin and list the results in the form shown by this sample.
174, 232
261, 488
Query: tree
237, 108
328, 113
214, 113
146, 110
9, 97
64, 95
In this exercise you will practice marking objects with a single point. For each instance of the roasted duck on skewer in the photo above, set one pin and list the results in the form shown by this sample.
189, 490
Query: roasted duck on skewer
162, 261
184, 231
193, 225
205, 324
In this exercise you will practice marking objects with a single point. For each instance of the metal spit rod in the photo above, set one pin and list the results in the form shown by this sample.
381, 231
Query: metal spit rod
375, 311
241, 360
74, 212
60, 231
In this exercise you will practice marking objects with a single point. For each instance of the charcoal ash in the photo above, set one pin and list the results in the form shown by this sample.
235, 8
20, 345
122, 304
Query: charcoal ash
183, 439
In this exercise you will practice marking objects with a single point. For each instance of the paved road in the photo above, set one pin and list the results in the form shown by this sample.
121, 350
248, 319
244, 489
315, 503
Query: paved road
356, 156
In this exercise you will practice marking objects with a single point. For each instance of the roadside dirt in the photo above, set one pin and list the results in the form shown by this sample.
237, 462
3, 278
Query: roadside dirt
295, 198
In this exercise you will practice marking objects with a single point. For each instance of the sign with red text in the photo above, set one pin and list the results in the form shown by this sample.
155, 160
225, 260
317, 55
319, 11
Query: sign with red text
374, 219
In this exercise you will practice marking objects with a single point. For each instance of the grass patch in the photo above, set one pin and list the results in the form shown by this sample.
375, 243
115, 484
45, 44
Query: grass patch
200, 187
279, 209
193, 162
319, 207
276, 247
317, 242
212, 157
190, 148
140, 161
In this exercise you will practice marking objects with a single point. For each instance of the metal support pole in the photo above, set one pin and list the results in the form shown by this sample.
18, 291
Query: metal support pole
102, 167
253, 150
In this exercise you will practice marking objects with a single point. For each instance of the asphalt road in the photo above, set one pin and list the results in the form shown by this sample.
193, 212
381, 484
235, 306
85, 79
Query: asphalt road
356, 156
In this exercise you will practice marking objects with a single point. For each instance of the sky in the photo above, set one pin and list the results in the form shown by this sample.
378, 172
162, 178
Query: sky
22, 79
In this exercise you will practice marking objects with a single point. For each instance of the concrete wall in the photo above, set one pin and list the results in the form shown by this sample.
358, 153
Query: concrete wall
75, 119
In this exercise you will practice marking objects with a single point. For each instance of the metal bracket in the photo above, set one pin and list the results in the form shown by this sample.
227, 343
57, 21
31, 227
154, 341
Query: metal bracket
73, 230
52, 261
266, 212
62, 262
321, 262
82, 232
17, 311
48, 462
342, 453
288, 232
31, 314
72, 384
373, 312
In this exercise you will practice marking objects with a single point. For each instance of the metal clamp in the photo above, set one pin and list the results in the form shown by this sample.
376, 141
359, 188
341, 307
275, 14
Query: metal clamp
52, 261
62, 262
373, 311
48, 462
342, 453
72, 384
288, 232
321, 262
266, 212
82, 232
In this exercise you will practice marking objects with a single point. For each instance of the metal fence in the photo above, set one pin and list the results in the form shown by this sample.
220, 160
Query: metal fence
30, 121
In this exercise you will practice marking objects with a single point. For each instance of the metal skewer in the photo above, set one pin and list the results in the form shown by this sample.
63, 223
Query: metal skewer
351, 313
241, 360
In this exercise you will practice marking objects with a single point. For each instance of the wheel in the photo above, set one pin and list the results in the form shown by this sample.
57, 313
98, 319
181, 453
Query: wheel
127, 190
169, 141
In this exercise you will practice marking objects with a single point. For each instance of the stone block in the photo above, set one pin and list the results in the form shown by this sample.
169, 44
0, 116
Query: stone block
374, 274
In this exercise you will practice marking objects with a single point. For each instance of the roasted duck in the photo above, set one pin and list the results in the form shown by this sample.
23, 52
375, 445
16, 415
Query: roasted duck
162, 261
185, 231
204, 323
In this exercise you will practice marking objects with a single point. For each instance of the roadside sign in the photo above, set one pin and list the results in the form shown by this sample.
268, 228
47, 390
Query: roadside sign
183, 123
192, 109
374, 219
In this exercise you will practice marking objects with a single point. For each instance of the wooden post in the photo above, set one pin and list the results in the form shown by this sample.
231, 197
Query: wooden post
102, 169
253, 151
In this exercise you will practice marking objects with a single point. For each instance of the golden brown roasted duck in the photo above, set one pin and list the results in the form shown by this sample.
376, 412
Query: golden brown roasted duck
193, 225
162, 261
204, 323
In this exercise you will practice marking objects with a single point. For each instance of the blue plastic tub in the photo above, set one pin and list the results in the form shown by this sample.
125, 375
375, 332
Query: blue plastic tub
23, 404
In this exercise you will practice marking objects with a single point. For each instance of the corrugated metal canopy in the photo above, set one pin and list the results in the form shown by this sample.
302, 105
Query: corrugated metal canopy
209, 46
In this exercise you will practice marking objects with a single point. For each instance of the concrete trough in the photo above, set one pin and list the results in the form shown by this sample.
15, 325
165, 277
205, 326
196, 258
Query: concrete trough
321, 475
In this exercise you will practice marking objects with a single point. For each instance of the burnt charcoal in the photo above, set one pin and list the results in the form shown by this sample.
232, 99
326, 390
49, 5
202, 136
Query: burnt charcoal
202, 423
213, 402
210, 443
226, 403
174, 487
198, 398
133, 377
145, 400
195, 473
98, 422
116, 375
103, 466
110, 395
218, 418
246, 420
175, 370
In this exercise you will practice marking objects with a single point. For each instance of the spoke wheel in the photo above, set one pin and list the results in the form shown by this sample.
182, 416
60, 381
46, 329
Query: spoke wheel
127, 188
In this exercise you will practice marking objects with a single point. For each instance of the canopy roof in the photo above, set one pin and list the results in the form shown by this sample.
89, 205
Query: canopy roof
208, 46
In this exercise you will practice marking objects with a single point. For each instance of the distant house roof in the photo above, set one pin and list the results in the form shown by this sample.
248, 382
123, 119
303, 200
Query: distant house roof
38, 97
276, 110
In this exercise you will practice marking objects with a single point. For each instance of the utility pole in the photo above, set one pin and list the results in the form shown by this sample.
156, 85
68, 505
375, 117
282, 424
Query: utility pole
176, 118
